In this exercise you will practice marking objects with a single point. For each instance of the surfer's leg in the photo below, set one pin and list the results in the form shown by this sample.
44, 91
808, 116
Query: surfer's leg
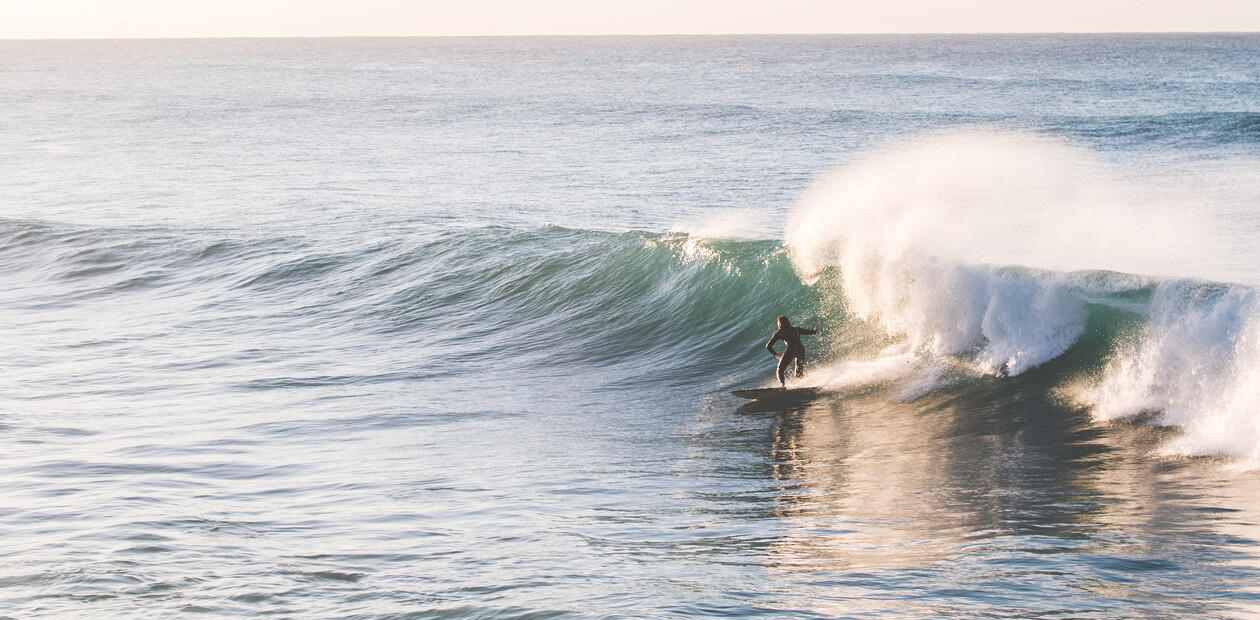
781, 371
800, 367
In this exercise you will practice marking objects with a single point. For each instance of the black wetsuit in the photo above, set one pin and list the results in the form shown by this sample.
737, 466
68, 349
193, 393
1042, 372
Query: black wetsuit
790, 335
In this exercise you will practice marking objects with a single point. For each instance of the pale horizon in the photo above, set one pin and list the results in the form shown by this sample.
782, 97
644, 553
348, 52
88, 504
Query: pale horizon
156, 19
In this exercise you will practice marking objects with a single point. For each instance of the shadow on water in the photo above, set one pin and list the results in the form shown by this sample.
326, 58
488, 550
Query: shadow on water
993, 497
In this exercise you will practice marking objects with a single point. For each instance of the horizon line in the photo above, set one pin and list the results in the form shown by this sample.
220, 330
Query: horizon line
654, 34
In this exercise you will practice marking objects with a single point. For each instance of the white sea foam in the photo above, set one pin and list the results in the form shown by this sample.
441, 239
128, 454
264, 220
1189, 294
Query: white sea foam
1197, 367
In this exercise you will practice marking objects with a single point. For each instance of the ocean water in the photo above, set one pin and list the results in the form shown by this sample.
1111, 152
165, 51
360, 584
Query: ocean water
445, 328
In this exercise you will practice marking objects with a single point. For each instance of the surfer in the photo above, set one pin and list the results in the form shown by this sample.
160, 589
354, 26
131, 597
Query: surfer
791, 336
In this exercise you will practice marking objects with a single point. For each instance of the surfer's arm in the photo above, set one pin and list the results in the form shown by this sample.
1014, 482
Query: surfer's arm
810, 332
770, 345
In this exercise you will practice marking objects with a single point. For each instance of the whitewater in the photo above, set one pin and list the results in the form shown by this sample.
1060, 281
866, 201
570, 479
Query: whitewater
996, 249
447, 327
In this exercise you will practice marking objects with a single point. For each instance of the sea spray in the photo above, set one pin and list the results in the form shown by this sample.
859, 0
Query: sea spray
981, 195
920, 234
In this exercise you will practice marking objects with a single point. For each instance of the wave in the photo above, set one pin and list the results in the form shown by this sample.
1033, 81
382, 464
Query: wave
920, 281
1211, 130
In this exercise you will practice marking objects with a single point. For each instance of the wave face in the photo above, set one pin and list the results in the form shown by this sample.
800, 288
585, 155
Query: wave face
654, 306
657, 307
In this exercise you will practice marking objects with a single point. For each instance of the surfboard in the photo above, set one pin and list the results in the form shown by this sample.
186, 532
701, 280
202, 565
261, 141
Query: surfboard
777, 392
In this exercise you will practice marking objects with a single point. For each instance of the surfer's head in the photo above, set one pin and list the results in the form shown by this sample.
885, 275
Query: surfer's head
784, 322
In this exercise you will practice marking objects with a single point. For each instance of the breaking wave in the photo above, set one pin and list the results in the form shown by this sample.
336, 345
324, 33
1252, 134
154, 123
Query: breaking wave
961, 259
979, 252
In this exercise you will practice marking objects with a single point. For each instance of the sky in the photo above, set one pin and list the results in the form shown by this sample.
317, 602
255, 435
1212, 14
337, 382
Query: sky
77, 19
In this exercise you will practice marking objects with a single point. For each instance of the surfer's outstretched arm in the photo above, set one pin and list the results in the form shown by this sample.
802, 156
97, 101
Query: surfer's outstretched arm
810, 331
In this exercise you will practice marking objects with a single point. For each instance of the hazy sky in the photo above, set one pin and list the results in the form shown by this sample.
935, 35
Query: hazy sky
27, 19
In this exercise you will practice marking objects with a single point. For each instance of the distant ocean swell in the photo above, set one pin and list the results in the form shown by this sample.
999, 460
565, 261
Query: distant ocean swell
685, 309
1176, 130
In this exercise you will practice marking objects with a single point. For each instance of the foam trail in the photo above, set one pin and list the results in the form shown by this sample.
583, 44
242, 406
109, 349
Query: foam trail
911, 375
